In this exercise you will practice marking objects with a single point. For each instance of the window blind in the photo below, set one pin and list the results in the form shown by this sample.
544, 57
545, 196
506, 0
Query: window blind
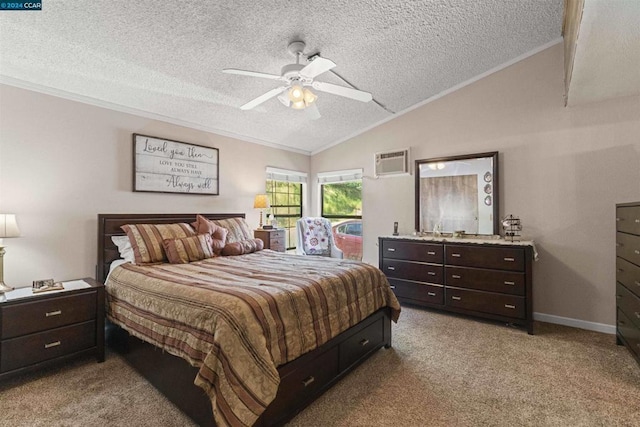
340, 176
286, 175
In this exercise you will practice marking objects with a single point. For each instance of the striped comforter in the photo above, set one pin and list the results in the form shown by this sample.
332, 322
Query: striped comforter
239, 318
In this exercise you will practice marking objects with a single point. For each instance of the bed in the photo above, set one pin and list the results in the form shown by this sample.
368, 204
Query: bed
245, 363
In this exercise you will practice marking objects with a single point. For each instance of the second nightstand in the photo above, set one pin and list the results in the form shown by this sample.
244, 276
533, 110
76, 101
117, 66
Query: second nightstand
273, 239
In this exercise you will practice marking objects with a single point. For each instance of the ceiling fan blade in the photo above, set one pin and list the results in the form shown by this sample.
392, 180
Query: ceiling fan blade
251, 74
347, 92
317, 67
264, 97
312, 112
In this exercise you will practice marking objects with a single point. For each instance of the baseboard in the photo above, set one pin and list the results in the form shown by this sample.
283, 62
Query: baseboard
575, 323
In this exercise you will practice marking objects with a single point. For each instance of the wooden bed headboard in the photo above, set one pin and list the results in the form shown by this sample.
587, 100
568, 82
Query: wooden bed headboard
109, 225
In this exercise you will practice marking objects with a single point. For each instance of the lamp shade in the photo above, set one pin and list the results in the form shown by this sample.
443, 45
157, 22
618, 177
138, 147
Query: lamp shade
261, 201
8, 226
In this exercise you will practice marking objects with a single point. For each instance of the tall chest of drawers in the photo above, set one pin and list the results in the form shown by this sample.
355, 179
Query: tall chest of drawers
628, 276
492, 281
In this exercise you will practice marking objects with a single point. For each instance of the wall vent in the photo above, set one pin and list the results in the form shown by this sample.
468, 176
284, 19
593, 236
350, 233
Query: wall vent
392, 163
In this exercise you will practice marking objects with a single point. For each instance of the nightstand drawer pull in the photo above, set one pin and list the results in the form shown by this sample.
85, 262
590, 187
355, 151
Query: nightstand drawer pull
507, 282
456, 298
391, 268
52, 344
53, 313
308, 381
511, 306
455, 276
364, 342
509, 259
431, 294
391, 249
431, 253
431, 273
456, 255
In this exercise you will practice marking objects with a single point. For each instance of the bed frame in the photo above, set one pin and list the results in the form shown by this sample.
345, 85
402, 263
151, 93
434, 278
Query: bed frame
301, 380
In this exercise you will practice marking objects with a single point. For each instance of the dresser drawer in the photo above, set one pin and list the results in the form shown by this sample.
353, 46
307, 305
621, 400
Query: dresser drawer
30, 349
486, 280
417, 271
423, 252
630, 333
628, 303
511, 259
26, 318
628, 247
628, 219
361, 343
431, 294
486, 302
628, 274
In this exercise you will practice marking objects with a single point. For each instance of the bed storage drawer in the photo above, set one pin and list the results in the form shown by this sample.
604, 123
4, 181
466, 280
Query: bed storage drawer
30, 349
42, 315
416, 271
361, 343
511, 259
486, 302
432, 294
410, 251
486, 280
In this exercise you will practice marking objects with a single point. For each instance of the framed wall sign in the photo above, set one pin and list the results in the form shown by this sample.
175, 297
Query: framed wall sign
166, 166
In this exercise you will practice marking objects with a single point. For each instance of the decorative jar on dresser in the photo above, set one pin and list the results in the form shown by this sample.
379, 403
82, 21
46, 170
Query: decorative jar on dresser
628, 276
486, 278
37, 330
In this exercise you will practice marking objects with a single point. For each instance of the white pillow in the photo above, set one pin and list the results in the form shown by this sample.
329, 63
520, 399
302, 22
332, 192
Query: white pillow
124, 247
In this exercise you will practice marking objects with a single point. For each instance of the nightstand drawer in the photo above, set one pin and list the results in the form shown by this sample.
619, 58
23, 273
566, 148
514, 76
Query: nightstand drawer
23, 319
30, 349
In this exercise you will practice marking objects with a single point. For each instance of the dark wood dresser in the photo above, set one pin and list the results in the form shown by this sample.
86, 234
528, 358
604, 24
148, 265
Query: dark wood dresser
273, 239
628, 276
492, 281
38, 330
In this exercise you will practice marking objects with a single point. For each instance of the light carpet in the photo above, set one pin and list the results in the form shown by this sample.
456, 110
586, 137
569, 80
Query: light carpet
443, 370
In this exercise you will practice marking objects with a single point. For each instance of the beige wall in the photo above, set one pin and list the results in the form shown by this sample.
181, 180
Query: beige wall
562, 170
63, 162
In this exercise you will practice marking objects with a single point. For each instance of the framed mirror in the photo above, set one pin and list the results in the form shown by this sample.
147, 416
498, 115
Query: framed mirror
458, 193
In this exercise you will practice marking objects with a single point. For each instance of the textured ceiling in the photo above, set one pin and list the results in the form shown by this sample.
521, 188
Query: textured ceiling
165, 58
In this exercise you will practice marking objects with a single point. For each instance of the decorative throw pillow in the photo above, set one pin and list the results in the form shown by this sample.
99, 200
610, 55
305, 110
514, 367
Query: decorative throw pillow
316, 233
146, 239
243, 247
238, 229
218, 234
188, 249
124, 248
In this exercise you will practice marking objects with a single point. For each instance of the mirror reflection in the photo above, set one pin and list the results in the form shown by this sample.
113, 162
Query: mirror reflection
457, 193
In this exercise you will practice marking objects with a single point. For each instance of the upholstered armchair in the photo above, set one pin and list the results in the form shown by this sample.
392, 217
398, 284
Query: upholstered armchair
315, 237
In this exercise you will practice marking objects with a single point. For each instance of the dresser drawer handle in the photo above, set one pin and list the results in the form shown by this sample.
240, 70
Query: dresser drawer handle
637, 252
619, 245
637, 313
511, 306
456, 255
308, 381
455, 276
431, 294
431, 273
52, 344
391, 249
637, 283
620, 270
53, 313
620, 322
506, 282
456, 298
431, 253
509, 259
392, 287
618, 219
637, 221
391, 268
364, 342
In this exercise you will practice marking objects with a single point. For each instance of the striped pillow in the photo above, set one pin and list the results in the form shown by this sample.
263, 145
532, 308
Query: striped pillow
146, 239
243, 247
238, 229
189, 249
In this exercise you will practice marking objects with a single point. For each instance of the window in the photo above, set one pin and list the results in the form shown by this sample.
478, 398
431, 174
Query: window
341, 203
285, 191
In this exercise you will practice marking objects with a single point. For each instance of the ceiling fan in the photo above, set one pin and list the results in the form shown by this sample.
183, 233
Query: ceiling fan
298, 78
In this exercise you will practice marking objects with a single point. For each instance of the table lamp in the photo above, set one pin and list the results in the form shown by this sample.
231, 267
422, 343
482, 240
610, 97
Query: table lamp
261, 202
8, 228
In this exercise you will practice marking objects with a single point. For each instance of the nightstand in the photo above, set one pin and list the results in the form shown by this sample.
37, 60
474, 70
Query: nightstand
273, 239
37, 330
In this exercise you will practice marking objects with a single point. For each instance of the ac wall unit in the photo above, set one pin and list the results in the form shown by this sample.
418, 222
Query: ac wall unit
392, 163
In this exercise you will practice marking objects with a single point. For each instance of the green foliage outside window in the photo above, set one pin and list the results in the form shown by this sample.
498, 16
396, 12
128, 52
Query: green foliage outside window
343, 200
286, 206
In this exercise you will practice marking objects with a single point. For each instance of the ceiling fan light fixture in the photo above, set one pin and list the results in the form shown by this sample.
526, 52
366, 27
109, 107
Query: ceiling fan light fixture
298, 105
309, 97
296, 93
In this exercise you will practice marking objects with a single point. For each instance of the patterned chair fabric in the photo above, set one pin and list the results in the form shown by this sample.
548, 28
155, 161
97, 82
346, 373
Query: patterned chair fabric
315, 237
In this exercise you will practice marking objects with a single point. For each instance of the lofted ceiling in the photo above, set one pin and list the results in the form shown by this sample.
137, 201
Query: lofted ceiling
164, 59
